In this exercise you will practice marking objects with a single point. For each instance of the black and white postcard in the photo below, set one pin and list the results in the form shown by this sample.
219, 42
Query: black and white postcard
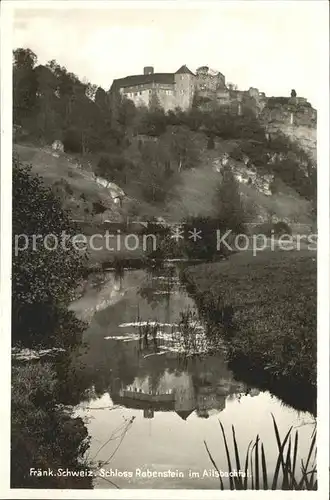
164, 249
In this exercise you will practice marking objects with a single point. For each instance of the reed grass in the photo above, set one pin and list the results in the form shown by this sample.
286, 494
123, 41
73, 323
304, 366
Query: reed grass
186, 333
287, 475
189, 331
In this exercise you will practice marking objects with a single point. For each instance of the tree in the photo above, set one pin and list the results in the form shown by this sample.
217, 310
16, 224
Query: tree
293, 93
210, 142
91, 90
24, 59
172, 118
43, 280
24, 84
154, 102
153, 122
123, 113
180, 144
205, 245
84, 120
194, 119
101, 98
52, 103
47, 125
155, 175
232, 86
221, 122
226, 213
126, 113
227, 202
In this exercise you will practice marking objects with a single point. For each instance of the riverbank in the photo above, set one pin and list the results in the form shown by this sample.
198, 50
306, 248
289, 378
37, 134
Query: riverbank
265, 309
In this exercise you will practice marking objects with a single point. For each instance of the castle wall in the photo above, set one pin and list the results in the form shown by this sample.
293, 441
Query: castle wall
210, 82
141, 94
222, 97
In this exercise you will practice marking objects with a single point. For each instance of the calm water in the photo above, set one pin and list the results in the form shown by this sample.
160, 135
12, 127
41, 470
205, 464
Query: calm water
149, 408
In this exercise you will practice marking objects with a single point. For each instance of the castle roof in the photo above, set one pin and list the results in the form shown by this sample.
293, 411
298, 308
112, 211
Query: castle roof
134, 80
184, 414
184, 70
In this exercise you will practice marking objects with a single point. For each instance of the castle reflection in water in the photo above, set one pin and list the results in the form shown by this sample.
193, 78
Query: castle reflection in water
179, 392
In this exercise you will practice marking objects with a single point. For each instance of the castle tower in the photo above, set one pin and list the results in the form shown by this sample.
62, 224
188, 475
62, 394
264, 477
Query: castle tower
184, 87
148, 413
148, 70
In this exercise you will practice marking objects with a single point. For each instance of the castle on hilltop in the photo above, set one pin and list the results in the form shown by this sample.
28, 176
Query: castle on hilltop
171, 90
208, 90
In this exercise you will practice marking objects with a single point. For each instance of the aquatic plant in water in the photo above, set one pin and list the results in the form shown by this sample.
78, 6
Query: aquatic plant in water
188, 337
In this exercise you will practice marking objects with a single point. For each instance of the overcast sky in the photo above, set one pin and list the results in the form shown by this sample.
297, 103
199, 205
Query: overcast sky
274, 46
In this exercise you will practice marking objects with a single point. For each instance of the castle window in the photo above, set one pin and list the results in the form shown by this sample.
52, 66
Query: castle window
135, 93
140, 93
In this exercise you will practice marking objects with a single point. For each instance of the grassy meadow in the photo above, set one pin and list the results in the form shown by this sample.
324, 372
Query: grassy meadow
266, 308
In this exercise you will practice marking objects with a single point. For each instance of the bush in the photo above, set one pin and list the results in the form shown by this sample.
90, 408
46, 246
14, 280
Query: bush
72, 141
282, 227
172, 118
114, 168
98, 208
205, 246
153, 123
227, 125
42, 433
272, 228
62, 188
43, 281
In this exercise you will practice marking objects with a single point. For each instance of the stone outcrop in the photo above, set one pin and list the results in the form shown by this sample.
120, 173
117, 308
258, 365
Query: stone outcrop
305, 136
294, 117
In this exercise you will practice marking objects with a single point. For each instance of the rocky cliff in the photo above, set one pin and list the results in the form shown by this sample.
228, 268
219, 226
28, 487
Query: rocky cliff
294, 117
305, 136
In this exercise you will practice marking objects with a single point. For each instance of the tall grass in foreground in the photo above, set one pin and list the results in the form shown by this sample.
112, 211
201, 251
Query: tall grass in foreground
287, 475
